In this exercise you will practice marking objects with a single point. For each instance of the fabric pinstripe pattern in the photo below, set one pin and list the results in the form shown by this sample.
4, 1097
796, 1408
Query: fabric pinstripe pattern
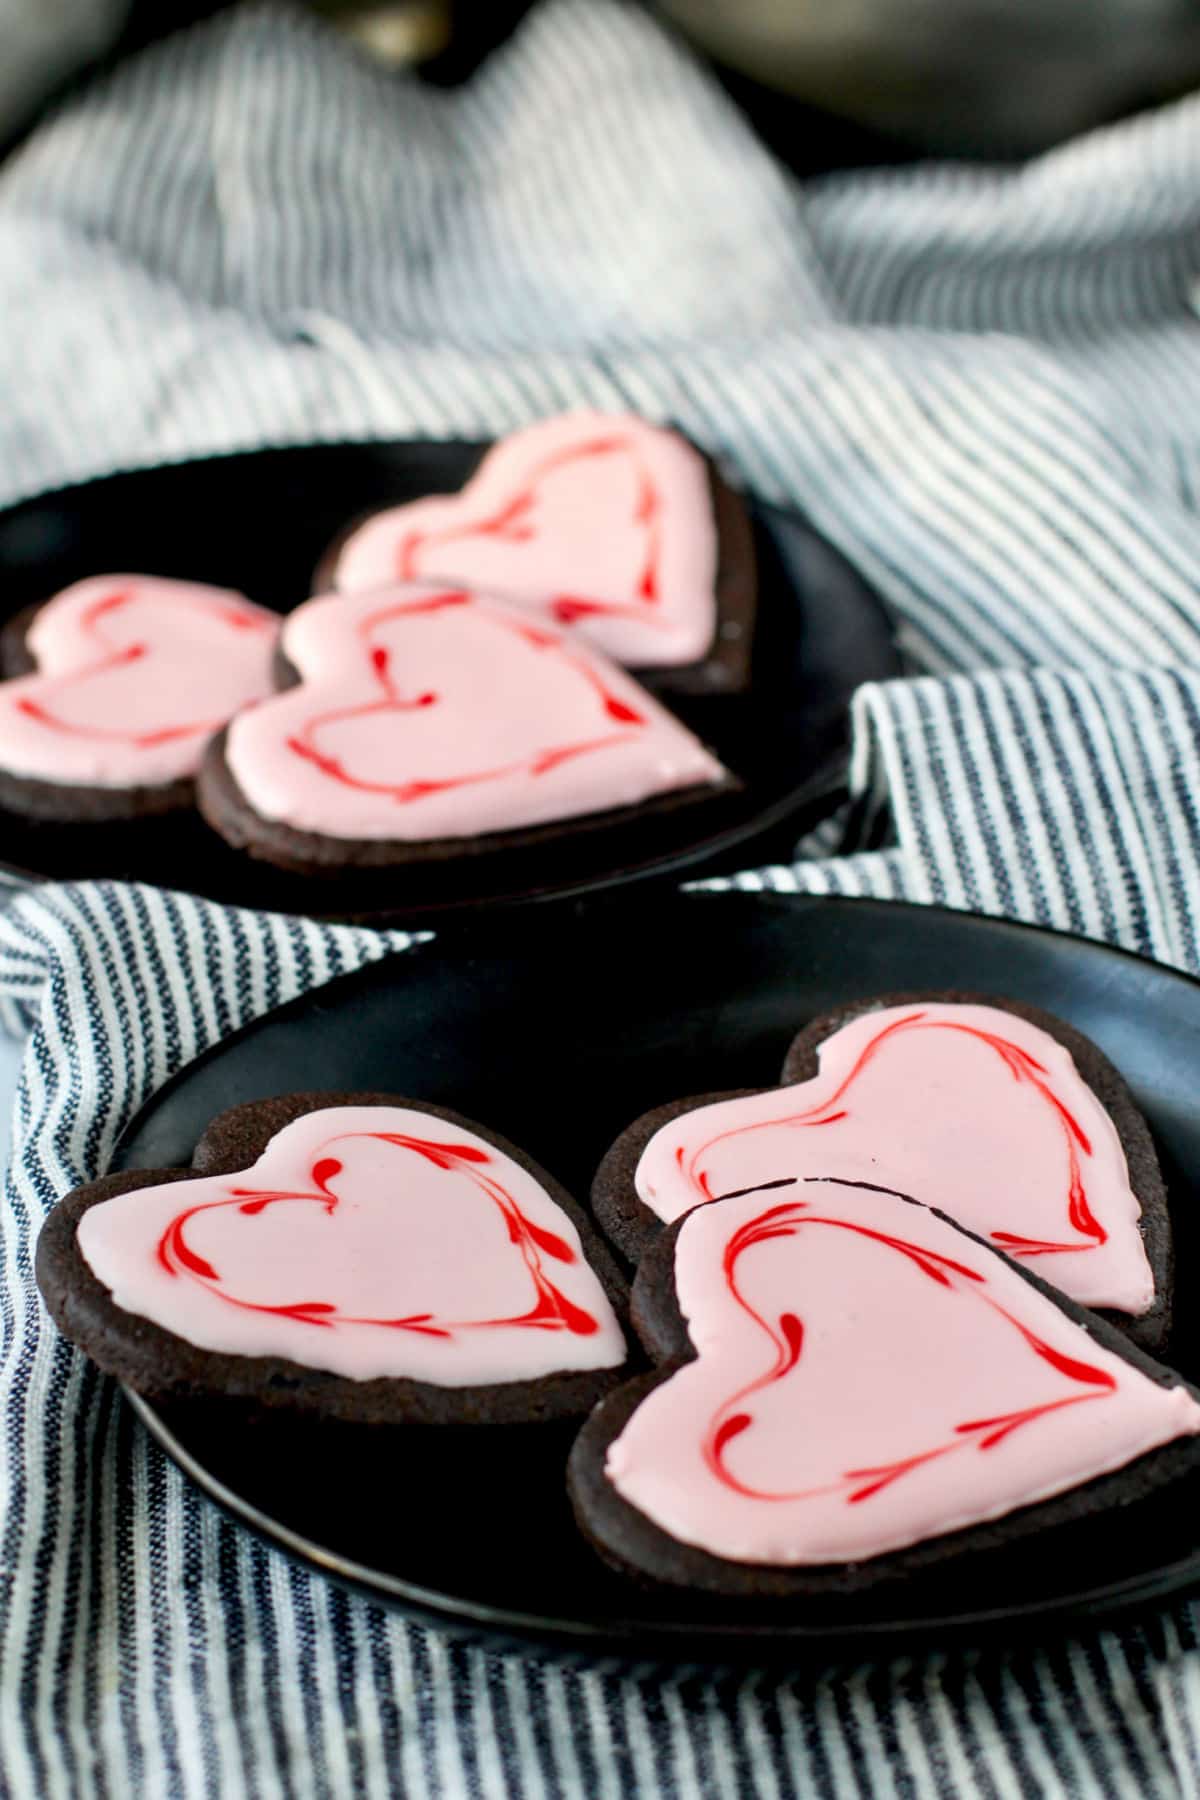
1066, 798
982, 385
321, 283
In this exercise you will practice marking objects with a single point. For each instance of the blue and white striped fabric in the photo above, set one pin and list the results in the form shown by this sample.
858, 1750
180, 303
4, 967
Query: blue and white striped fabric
983, 385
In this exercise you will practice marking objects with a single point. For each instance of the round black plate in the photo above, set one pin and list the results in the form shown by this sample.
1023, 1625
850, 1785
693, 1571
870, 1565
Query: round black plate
259, 522
558, 1032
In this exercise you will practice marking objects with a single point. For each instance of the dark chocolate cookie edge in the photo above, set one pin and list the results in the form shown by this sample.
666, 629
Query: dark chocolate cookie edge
1151, 1329
630, 1542
73, 803
156, 1363
621, 1215
225, 808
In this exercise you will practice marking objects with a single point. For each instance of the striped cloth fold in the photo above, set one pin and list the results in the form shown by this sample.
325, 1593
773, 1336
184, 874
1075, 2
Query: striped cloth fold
1068, 798
982, 385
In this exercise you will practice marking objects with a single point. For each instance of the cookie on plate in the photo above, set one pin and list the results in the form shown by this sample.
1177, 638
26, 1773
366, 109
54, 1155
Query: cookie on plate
425, 722
851, 1390
354, 1256
599, 522
113, 689
1004, 1117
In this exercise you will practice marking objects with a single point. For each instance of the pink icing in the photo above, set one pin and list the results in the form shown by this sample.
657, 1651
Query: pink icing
867, 1377
370, 1241
969, 1108
428, 713
133, 677
594, 520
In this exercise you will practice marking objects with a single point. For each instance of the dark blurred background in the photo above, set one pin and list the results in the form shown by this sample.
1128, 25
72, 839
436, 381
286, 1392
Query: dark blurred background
827, 83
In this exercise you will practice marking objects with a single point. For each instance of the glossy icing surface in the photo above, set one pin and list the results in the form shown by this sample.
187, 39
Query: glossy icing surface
370, 1241
595, 521
425, 712
134, 675
968, 1108
867, 1378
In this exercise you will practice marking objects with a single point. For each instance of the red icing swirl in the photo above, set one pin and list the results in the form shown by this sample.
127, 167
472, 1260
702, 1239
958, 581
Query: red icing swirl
786, 1335
392, 698
110, 655
551, 1310
1024, 1069
514, 522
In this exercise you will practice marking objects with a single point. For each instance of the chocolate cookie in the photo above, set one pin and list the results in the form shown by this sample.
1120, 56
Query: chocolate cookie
425, 723
15, 656
112, 689
354, 1256
617, 529
1005, 1117
854, 1390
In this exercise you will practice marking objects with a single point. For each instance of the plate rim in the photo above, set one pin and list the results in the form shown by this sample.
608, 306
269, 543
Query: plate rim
791, 1642
466, 935
741, 1643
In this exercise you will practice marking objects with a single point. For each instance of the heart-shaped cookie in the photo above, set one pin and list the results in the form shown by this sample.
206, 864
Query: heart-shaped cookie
979, 1109
426, 714
384, 1244
848, 1374
131, 677
596, 521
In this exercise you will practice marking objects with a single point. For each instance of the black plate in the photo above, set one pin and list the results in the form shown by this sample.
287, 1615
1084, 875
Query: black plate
259, 522
557, 1032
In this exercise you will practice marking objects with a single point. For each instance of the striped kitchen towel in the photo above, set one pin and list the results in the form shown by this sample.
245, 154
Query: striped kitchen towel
149, 1646
982, 385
